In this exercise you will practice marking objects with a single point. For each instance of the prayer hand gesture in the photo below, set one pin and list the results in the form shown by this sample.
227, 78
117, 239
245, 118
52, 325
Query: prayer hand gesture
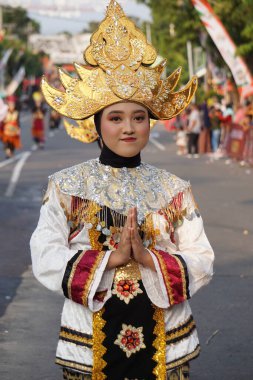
122, 254
130, 245
138, 250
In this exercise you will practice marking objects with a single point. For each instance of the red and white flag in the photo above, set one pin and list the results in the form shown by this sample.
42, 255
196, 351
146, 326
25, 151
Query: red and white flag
224, 43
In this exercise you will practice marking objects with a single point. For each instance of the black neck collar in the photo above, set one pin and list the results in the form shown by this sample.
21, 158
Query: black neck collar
108, 157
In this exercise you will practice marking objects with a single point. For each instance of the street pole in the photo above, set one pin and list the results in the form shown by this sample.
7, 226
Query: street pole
1, 18
148, 32
1, 68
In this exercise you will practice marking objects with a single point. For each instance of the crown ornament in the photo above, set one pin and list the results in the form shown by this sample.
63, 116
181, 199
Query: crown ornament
119, 66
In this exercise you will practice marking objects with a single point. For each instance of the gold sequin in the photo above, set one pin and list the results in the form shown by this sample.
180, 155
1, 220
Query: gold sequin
181, 330
128, 272
98, 349
185, 359
159, 344
121, 66
89, 280
73, 365
72, 273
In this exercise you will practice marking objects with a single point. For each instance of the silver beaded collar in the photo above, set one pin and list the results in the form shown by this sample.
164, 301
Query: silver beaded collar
146, 187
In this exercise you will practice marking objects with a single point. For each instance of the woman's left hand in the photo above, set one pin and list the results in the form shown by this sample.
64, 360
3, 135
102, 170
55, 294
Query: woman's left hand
138, 249
140, 253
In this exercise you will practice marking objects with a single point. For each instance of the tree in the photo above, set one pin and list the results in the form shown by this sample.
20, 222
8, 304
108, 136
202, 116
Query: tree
17, 27
176, 21
16, 22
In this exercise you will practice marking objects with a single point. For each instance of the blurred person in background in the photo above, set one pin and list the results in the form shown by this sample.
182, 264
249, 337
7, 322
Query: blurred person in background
181, 141
54, 122
215, 118
205, 133
3, 112
38, 127
247, 124
193, 129
11, 128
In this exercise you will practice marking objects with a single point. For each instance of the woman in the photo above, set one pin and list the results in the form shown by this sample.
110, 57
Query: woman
121, 240
38, 115
11, 128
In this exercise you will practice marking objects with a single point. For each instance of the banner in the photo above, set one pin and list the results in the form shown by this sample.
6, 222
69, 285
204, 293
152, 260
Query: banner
18, 78
5, 58
224, 43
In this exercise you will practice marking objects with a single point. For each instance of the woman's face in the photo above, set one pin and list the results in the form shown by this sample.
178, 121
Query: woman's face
125, 128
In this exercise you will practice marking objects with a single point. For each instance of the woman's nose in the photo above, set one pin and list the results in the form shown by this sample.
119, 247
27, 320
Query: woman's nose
128, 126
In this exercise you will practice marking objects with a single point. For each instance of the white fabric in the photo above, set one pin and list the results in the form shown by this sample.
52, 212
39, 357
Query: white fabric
194, 121
51, 252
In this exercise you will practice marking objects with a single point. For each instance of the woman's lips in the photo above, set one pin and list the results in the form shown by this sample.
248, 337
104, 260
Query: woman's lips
129, 139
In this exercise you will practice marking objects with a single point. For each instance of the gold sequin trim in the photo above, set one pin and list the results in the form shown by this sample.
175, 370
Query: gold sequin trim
128, 272
159, 344
186, 358
73, 375
73, 365
167, 277
98, 349
181, 373
76, 338
90, 278
72, 273
181, 330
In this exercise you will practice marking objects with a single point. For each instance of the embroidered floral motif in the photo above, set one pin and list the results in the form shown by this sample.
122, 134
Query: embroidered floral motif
126, 290
113, 239
130, 339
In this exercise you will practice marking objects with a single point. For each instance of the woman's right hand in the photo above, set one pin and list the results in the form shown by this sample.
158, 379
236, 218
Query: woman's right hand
122, 254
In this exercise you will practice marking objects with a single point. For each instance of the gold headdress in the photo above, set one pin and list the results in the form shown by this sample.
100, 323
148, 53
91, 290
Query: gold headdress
120, 67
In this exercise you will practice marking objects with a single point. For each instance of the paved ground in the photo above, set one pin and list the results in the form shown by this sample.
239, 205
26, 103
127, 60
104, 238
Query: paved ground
223, 310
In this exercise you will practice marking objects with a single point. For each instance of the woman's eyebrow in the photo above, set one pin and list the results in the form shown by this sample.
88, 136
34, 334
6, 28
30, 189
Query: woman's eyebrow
113, 112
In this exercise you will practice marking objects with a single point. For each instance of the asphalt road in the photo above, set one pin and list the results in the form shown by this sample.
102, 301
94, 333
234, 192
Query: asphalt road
30, 314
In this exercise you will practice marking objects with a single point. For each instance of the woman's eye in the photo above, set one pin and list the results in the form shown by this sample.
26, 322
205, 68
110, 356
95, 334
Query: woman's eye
115, 118
140, 118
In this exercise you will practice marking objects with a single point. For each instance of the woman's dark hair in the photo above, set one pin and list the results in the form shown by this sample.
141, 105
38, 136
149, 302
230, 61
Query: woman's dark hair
97, 121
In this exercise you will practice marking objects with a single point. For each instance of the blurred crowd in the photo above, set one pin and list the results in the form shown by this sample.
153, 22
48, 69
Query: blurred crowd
216, 129
10, 131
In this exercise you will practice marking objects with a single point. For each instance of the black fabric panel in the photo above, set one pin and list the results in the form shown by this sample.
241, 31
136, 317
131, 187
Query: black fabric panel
138, 313
74, 332
67, 273
77, 342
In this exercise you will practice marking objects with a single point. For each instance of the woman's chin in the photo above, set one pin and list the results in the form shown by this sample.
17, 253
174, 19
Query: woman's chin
128, 153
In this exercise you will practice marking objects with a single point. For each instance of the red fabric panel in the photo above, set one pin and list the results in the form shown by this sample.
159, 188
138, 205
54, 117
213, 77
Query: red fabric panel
174, 277
82, 275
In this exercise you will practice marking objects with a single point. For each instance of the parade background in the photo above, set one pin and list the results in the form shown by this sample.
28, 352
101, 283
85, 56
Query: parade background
210, 39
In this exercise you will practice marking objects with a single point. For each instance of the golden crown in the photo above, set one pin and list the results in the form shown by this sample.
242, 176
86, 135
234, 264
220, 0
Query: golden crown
120, 66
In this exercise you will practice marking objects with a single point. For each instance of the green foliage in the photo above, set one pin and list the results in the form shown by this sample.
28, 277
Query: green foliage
16, 22
180, 16
174, 23
18, 26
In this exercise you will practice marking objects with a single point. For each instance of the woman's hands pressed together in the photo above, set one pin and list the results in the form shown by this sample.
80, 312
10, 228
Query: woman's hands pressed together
130, 245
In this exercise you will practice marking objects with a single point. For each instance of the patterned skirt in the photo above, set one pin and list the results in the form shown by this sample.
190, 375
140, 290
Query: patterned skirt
180, 373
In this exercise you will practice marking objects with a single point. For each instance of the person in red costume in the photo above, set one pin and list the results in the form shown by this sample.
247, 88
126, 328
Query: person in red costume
11, 134
38, 116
